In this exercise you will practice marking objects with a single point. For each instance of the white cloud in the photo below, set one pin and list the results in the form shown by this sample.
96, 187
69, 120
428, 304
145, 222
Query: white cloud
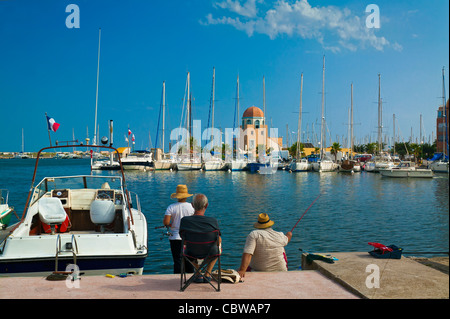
334, 28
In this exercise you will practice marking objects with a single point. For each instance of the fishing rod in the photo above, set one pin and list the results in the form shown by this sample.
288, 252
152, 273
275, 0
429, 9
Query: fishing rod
165, 233
305, 212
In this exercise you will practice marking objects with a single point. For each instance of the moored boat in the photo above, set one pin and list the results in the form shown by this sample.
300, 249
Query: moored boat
139, 160
301, 165
407, 169
5, 210
88, 221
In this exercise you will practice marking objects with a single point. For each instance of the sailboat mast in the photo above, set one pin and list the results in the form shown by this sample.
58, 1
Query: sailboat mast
96, 92
164, 114
379, 115
351, 123
213, 97
238, 101
323, 110
299, 129
444, 113
264, 96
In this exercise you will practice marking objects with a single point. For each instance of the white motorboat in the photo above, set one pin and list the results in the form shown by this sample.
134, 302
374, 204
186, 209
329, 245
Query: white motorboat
187, 164
378, 163
268, 168
237, 165
325, 165
440, 166
86, 221
214, 164
164, 164
407, 169
300, 166
105, 165
140, 160
5, 210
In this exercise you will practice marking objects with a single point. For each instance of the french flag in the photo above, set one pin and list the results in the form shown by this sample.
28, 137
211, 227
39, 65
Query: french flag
52, 125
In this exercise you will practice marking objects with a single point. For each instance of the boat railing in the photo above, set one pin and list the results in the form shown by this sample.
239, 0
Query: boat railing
4, 198
134, 200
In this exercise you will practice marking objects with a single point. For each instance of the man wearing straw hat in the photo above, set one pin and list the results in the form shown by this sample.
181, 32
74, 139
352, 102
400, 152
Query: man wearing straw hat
264, 248
174, 213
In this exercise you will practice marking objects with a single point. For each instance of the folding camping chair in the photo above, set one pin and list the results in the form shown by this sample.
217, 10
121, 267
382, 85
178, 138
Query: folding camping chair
204, 246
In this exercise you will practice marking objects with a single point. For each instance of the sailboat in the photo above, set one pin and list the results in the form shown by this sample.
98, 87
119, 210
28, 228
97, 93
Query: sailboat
212, 163
324, 164
300, 165
161, 160
238, 163
22, 153
350, 165
102, 164
188, 162
381, 160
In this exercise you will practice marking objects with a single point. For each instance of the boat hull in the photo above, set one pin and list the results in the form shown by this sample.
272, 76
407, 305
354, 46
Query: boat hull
407, 174
238, 165
189, 166
92, 265
160, 165
5, 217
214, 166
324, 166
300, 167
439, 167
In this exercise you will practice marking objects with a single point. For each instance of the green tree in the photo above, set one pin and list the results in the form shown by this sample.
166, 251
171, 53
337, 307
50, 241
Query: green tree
293, 150
335, 148
371, 148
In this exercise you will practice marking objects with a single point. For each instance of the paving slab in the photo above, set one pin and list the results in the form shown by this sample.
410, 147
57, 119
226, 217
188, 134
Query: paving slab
374, 278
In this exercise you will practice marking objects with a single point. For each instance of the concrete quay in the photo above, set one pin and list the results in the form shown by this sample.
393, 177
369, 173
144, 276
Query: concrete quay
404, 278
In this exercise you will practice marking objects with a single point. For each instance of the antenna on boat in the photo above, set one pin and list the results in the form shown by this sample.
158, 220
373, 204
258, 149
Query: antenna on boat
96, 93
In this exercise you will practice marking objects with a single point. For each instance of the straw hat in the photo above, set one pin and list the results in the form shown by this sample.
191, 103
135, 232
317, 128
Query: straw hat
263, 221
181, 192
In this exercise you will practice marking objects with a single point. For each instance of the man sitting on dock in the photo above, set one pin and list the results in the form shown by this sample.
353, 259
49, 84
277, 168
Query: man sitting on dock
201, 224
264, 248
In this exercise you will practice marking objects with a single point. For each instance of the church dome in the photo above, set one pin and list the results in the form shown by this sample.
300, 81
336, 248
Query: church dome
253, 111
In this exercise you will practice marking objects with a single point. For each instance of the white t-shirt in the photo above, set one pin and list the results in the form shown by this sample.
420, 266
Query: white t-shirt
177, 211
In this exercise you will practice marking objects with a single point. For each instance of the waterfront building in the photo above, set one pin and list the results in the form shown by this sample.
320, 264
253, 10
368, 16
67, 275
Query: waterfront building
442, 128
256, 133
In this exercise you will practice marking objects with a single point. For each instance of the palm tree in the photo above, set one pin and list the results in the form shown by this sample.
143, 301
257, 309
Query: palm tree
335, 148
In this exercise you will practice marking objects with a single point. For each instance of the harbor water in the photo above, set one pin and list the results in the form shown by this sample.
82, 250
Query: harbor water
352, 209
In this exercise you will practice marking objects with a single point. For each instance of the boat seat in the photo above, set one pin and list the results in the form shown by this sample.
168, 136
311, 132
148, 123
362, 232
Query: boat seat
51, 212
102, 212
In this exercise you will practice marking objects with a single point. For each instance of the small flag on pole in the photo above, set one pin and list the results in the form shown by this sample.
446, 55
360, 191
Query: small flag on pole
52, 125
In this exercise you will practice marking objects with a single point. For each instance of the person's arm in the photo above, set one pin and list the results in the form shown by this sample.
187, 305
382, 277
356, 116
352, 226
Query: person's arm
289, 236
166, 220
246, 258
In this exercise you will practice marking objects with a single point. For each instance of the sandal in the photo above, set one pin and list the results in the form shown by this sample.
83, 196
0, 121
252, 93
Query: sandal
206, 279
199, 279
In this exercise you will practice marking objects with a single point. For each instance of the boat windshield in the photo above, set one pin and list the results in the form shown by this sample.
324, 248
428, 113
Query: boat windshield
75, 182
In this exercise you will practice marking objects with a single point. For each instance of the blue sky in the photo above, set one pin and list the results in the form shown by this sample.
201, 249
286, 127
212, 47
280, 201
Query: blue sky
47, 67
